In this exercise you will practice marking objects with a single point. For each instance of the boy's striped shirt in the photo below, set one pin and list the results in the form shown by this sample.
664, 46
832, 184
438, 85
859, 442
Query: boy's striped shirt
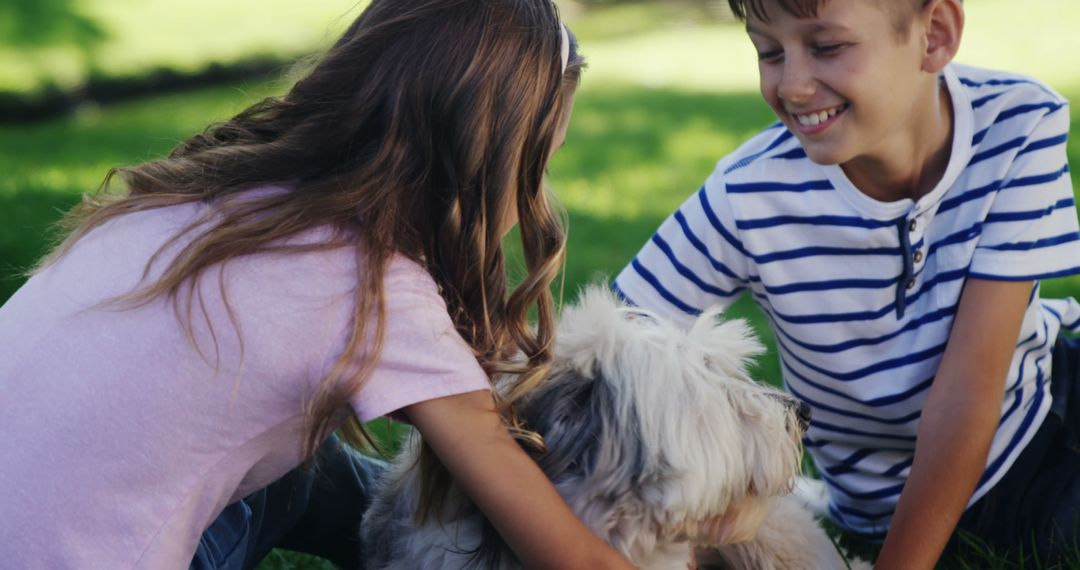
862, 294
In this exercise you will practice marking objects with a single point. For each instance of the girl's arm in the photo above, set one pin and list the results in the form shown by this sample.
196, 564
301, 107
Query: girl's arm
958, 423
470, 439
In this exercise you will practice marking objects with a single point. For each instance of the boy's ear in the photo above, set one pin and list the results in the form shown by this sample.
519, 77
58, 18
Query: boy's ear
943, 22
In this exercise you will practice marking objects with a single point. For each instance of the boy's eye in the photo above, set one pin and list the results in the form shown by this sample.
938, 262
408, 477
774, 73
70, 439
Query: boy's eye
770, 56
828, 49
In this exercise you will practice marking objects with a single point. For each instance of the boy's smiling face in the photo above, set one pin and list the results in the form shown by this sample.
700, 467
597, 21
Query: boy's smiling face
844, 82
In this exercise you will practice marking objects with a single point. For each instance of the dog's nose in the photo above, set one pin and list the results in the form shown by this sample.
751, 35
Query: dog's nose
803, 413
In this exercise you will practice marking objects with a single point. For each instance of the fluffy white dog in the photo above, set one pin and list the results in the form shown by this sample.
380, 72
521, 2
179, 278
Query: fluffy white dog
657, 439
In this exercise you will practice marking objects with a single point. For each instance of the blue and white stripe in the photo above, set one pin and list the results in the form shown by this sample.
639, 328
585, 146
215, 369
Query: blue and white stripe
862, 294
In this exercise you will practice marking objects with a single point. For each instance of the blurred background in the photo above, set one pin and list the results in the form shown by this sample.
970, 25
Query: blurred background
86, 85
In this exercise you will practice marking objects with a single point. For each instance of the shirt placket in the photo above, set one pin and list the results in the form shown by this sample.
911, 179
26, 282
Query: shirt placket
910, 231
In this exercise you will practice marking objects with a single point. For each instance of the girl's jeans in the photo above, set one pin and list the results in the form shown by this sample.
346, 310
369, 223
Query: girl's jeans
314, 511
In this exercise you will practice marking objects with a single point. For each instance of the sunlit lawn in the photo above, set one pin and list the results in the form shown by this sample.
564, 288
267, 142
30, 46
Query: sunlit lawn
658, 107
138, 36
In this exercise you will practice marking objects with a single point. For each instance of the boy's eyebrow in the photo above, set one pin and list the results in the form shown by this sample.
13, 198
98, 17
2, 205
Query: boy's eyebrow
815, 27
751, 29
819, 26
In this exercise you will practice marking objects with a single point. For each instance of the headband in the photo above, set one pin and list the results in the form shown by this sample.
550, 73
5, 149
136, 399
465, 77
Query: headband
564, 47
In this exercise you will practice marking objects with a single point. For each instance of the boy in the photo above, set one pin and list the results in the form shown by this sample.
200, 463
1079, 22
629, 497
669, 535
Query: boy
894, 227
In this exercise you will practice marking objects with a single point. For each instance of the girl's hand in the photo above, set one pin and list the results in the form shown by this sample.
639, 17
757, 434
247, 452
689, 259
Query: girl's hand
470, 439
737, 525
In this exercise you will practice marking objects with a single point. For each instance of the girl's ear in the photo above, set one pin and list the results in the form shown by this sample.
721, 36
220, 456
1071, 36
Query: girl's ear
944, 26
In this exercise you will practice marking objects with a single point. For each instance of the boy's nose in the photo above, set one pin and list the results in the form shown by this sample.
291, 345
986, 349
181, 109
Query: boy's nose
796, 84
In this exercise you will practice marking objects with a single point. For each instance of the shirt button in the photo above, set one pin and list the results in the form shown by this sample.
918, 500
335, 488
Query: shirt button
912, 225
910, 283
918, 255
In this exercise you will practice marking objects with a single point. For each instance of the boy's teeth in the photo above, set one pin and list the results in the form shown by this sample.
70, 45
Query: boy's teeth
813, 119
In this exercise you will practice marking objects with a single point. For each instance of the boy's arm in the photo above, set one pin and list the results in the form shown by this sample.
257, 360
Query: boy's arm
963, 407
958, 423
472, 442
694, 261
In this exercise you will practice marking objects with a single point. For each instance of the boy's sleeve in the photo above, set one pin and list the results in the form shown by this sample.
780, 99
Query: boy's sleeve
693, 262
1031, 230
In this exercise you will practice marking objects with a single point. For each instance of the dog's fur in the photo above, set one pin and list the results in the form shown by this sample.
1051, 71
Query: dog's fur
652, 433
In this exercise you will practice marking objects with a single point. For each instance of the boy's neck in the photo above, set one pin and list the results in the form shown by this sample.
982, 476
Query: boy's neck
915, 163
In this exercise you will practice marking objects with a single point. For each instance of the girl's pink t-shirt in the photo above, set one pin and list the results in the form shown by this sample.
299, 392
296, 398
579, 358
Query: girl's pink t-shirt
121, 440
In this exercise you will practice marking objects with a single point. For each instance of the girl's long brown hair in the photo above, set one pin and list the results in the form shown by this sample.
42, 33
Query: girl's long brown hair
415, 134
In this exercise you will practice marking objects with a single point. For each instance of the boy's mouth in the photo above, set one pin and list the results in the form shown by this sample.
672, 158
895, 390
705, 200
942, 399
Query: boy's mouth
818, 120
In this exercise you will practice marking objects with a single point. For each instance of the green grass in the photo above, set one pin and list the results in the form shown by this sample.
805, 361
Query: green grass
140, 35
664, 98
48, 166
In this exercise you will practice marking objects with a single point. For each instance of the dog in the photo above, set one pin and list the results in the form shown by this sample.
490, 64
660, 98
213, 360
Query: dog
655, 436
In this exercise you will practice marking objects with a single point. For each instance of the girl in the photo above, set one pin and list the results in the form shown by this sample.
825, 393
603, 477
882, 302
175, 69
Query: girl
335, 253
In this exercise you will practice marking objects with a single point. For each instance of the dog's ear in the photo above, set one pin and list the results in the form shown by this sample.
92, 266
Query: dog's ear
728, 346
596, 456
561, 412
582, 336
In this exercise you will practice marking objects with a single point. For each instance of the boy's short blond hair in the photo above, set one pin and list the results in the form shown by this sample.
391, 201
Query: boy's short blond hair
900, 11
